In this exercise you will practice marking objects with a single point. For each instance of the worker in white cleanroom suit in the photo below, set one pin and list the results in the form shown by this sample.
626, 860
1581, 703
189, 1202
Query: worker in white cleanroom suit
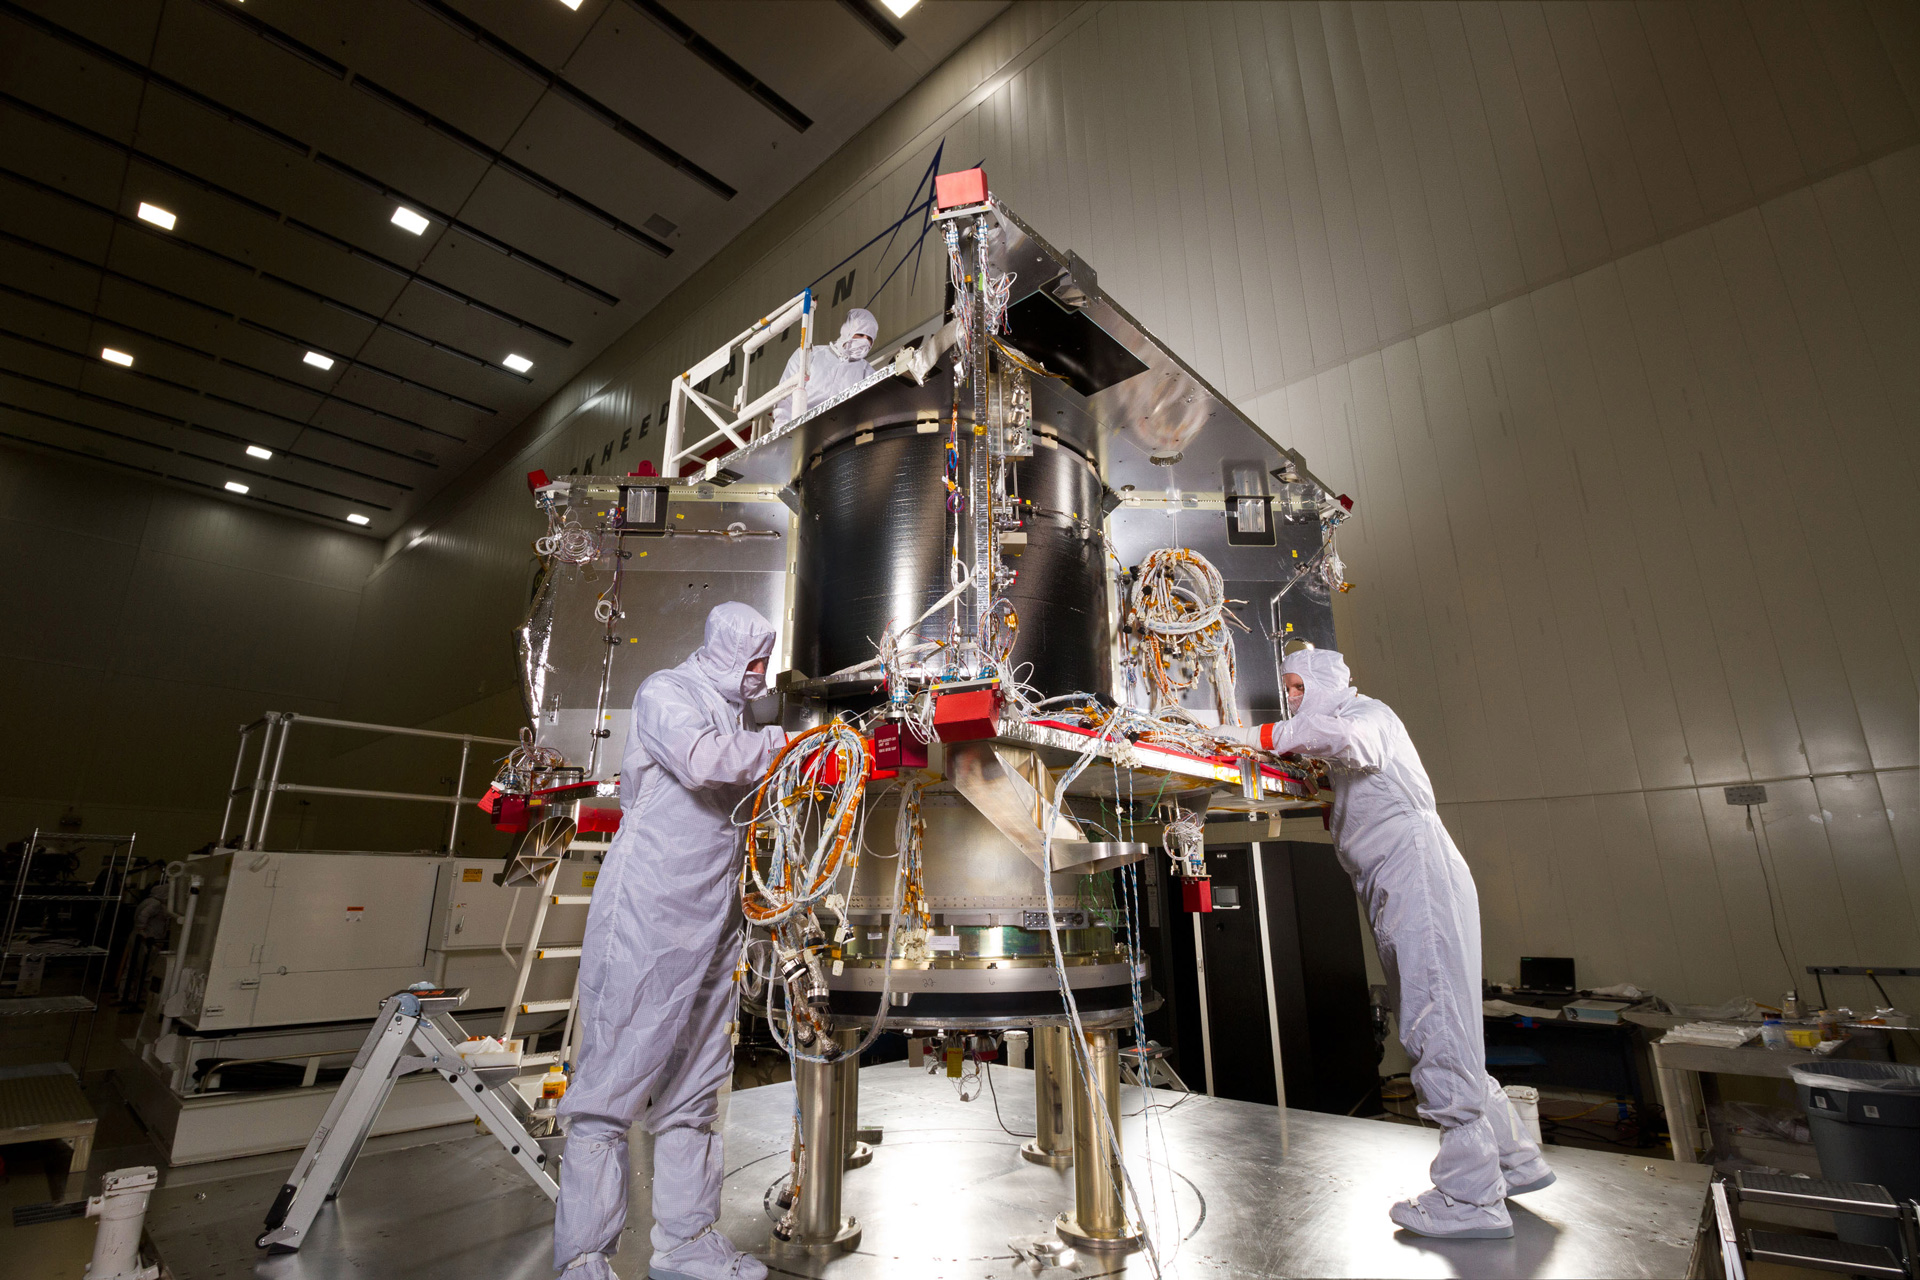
1426, 926
837, 367
657, 995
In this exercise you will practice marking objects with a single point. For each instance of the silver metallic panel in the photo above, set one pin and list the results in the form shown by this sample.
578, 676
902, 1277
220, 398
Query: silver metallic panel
948, 1199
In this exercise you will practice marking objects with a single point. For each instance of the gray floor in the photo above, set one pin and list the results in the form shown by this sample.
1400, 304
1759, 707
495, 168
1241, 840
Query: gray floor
947, 1192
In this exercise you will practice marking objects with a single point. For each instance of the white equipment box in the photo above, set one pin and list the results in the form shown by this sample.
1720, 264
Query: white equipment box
281, 939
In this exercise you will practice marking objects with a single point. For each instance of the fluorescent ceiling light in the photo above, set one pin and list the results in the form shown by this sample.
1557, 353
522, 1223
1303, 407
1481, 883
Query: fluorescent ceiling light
120, 358
317, 360
571, 4
255, 451
407, 220
357, 518
157, 216
234, 486
519, 364
898, 8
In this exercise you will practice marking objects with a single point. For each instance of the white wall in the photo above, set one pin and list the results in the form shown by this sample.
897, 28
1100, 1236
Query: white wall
140, 626
1605, 314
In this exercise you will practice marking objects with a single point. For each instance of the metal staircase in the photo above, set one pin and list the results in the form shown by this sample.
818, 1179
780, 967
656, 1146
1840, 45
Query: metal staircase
1854, 1199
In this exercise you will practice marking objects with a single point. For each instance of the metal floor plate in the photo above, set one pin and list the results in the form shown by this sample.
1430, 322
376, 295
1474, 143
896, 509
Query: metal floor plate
947, 1191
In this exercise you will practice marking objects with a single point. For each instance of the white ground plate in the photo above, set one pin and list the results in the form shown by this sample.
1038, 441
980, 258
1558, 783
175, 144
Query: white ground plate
947, 1191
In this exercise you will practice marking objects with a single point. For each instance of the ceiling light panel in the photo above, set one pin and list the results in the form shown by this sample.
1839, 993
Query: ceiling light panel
407, 220
357, 518
159, 217
317, 360
517, 363
234, 486
571, 4
898, 8
255, 451
120, 358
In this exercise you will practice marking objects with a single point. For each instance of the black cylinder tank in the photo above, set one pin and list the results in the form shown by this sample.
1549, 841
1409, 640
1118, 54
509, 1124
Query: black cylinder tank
873, 551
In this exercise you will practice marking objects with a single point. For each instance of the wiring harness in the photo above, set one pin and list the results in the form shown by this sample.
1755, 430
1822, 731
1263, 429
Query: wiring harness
1178, 614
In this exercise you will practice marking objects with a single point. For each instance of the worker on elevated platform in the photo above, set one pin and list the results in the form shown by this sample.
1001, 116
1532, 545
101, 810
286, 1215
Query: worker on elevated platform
836, 368
657, 997
1426, 924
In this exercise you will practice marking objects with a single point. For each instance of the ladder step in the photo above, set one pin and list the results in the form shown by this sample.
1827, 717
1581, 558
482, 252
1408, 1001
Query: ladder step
572, 899
543, 1006
1822, 1254
1862, 1198
557, 953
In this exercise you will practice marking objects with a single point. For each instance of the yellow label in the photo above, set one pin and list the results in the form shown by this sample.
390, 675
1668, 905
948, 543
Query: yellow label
470, 876
953, 1061
587, 878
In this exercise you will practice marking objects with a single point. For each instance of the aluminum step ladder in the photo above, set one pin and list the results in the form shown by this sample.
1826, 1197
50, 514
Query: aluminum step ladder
415, 1031
1859, 1199
545, 875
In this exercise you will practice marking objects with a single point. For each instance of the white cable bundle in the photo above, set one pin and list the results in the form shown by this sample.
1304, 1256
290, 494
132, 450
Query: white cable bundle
1180, 601
570, 543
800, 874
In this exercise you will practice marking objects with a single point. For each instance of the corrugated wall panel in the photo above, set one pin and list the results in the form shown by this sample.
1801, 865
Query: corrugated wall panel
1605, 313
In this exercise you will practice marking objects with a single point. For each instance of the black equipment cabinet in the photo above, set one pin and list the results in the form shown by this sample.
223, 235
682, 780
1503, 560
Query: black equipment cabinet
1329, 1055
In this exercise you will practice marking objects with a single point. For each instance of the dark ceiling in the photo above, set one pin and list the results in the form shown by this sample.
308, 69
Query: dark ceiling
572, 166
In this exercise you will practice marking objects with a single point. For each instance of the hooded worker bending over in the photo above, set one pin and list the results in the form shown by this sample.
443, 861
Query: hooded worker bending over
1426, 925
835, 368
656, 966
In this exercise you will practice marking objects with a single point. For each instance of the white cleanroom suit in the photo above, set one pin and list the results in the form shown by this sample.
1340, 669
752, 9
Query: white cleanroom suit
837, 367
1426, 925
656, 966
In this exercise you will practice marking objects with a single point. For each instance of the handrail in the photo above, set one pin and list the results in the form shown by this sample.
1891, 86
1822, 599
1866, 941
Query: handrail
275, 727
394, 728
797, 309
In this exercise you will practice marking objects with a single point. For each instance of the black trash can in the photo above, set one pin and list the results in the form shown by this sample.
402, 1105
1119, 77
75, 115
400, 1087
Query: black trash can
1865, 1118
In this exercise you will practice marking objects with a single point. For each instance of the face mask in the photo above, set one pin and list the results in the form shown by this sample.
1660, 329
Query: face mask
1294, 697
752, 684
858, 346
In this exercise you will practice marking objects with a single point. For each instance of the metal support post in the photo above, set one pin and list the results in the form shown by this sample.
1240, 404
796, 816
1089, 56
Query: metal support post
856, 1152
1052, 1141
239, 760
273, 781
459, 792
1099, 1218
259, 778
818, 1226
1273, 1003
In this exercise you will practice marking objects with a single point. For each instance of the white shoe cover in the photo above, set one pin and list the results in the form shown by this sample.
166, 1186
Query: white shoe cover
589, 1266
1534, 1175
1434, 1213
708, 1256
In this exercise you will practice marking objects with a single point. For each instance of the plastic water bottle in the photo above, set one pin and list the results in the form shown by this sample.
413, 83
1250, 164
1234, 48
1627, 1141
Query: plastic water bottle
1773, 1034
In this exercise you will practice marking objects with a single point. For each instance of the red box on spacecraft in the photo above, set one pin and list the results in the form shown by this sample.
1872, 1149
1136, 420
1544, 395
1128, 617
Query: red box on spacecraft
956, 190
967, 714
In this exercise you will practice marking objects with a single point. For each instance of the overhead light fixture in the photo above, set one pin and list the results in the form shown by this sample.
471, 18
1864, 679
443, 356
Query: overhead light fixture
356, 518
571, 4
157, 216
407, 220
519, 364
898, 8
120, 358
255, 451
234, 486
317, 360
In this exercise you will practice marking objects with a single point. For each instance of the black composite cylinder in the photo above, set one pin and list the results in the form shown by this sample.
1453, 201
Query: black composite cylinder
874, 546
